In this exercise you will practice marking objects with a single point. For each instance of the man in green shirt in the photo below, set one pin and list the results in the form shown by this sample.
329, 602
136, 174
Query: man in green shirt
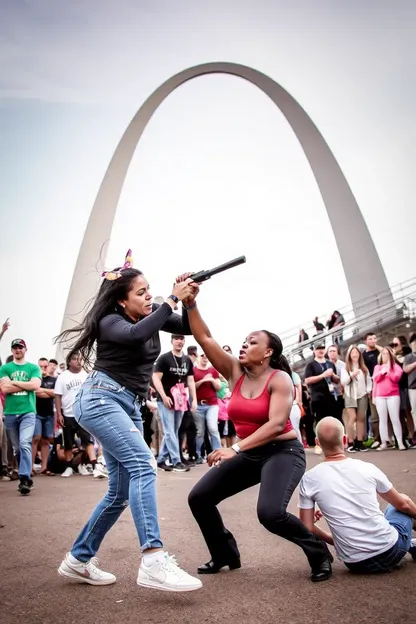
19, 381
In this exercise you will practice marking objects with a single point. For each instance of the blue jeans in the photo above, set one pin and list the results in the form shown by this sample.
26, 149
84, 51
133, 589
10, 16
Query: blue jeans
45, 427
207, 416
20, 429
111, 414
171, 421
389, 559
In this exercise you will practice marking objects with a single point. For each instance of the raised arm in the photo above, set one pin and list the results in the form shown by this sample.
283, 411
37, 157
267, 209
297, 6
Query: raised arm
177, 324
225, 363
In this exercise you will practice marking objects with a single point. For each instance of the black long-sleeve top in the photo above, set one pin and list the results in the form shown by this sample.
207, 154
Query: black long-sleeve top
127, 351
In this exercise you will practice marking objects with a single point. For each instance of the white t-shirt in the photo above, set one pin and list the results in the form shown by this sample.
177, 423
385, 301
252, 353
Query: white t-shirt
67, 385
346, 493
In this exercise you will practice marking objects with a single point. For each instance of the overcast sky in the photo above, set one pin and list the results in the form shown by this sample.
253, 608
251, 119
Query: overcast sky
218, 172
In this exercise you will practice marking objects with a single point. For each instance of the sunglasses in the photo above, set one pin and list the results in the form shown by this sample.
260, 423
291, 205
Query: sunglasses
396, 344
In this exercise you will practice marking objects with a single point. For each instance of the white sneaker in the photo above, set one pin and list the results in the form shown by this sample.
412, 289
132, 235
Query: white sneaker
166, 575
382, 447
375, 445
68, 472
318, 450
85, 572
100, 472
83, 470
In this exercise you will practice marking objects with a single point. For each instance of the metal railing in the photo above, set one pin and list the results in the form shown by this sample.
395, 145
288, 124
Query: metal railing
375, 318
372, 302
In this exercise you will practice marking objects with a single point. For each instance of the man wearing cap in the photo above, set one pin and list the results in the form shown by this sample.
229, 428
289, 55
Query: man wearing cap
19, 381
320, 377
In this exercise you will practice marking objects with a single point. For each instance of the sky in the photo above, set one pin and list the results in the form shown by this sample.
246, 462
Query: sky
218, 172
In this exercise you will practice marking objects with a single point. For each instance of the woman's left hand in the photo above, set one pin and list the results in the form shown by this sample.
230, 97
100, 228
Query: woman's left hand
220, 455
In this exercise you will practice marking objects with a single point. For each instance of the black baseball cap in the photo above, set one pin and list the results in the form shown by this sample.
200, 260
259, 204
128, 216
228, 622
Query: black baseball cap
319, 345
18, 342
177, 336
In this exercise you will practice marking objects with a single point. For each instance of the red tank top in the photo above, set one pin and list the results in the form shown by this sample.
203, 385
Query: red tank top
248, 415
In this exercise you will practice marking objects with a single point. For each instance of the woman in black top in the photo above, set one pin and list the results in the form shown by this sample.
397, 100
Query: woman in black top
123, 325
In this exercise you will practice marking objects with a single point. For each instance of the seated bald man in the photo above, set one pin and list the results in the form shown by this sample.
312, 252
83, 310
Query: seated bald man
345, 490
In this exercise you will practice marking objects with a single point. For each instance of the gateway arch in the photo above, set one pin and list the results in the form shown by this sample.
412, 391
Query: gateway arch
363, 270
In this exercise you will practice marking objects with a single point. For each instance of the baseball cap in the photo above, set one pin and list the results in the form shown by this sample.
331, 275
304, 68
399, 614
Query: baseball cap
177, 336
18, 342
319, 345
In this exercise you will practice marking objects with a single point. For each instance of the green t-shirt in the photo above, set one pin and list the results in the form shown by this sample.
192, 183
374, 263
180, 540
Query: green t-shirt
24, 401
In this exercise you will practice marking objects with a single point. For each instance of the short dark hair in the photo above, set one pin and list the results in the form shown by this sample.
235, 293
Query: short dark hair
53, 361
192, 350
43, 360
412, 337
368, 334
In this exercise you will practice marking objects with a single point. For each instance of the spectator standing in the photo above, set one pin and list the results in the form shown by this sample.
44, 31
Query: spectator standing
333, 356
370, 356
173, 381
358, 385
409, 367
320, 377
45, 418
401, 349
207, 384
19, 381
66, 389
386, 394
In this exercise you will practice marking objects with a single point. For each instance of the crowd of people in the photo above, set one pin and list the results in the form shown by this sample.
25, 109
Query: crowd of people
250, 417
185, 414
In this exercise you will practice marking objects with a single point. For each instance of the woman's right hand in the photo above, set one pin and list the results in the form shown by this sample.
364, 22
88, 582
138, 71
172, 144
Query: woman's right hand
183, 290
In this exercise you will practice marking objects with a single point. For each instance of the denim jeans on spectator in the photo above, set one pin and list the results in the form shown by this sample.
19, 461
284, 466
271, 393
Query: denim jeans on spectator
20, 429
171, 422
206, 416
389, 559
111, 414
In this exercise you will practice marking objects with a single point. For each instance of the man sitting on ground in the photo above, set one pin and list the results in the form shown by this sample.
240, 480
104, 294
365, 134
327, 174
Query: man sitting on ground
345, 490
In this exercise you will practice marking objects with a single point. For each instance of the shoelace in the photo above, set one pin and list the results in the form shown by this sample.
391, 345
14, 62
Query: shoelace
171, 565
93, 565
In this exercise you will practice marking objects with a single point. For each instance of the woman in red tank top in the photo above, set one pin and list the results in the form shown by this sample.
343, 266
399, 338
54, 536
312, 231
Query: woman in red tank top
267, 452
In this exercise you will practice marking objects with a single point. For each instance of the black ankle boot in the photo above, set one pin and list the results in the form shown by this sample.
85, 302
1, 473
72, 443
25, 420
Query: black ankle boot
214, 568
323, 571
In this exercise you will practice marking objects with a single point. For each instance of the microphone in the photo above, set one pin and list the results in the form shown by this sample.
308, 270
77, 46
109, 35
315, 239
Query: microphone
203, 276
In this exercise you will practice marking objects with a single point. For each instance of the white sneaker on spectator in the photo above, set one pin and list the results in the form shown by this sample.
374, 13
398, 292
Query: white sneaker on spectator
375, 444
382, 447
68, 472
317, 450
100, 472
83, 470
85, 572
165, 574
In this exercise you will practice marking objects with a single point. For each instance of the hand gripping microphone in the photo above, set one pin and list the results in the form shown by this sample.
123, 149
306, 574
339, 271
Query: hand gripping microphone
203, 276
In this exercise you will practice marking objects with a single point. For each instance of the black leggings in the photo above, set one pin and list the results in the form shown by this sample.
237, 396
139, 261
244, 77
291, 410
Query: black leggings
278, 467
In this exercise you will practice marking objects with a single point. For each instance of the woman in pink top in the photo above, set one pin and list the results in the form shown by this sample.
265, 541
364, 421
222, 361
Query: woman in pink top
386, 396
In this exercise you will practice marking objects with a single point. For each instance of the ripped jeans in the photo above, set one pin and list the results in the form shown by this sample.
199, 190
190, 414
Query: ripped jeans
111, 414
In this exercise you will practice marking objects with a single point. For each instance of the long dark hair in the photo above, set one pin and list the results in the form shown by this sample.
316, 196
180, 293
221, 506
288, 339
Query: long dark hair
84, 335
277, 360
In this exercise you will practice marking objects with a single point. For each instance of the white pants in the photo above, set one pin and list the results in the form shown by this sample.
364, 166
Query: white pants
295, 417
412, 399
389, 406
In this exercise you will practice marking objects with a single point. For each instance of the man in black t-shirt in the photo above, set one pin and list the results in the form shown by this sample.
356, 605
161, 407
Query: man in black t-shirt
320, 377
44, 428
173, 381
370, 356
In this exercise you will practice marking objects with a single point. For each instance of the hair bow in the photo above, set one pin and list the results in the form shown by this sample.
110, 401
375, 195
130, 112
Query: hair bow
113, 275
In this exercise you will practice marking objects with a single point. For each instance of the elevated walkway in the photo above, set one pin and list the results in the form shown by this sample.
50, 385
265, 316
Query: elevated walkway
387, 316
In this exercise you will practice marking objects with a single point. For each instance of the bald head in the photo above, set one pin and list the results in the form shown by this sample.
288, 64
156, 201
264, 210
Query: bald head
330, 434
